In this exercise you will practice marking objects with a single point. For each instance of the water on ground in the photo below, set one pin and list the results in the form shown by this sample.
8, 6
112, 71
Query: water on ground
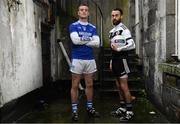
57, 109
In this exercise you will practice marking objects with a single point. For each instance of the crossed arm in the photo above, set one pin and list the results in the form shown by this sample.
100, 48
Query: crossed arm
93, 41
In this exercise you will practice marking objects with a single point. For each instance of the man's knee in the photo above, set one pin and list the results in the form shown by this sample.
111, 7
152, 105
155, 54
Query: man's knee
74, 87
124, 86
75, 84
75, 81
89, 85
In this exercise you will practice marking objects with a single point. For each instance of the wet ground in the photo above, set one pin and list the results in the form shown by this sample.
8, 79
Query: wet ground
57, 109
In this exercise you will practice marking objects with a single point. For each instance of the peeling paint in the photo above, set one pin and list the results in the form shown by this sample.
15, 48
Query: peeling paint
20, 52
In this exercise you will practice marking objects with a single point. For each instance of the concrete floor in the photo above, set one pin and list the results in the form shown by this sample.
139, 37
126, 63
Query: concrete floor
57, 109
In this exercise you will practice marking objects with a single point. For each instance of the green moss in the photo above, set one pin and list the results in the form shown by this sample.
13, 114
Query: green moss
170, 68
170, 80
106, 43
172, 72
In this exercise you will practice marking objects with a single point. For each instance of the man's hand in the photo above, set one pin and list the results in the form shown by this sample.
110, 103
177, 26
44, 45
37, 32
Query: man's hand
115, 47
110, 65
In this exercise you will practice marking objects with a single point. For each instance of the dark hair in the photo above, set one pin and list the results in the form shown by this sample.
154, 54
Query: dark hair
83, 4
118, 9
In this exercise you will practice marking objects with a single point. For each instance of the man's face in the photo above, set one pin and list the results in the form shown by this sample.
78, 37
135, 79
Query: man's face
116, 17
83, 12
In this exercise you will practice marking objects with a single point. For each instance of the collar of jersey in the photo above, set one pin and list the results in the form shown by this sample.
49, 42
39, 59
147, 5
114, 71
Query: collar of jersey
82, 23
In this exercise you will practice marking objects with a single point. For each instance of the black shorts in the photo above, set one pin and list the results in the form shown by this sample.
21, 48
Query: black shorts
120, 67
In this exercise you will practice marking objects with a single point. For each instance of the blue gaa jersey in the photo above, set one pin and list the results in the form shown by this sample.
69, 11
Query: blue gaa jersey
84, 30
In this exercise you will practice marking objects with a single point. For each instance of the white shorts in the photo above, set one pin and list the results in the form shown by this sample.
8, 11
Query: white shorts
80, 66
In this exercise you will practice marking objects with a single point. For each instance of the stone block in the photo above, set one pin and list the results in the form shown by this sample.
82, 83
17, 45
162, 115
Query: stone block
150, 49
153, 4
151, 17
170, 7
170, 35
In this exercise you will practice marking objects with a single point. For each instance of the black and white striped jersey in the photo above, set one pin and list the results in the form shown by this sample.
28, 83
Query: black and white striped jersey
122, 30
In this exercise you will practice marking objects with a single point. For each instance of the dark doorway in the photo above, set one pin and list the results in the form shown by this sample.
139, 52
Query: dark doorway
46, 58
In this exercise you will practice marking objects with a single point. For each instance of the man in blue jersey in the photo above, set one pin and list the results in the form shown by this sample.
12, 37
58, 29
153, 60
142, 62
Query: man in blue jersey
84, 37
121, 42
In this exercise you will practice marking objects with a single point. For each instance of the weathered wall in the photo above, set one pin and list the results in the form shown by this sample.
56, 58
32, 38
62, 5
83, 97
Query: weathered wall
20, 50
153, 50
158, 33
153, 20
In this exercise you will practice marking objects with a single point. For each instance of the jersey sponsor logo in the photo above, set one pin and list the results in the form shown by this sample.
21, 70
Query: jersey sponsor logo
79, 27
119, 40
87, 34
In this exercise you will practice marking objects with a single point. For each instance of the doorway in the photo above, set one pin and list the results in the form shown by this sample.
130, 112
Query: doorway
46, 57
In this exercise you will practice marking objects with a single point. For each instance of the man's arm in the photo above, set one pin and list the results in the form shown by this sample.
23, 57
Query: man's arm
130, 42
95, 42
130, 45
78, 40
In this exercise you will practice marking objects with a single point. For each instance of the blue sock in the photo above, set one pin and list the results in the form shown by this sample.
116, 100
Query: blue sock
74, 107
89, 104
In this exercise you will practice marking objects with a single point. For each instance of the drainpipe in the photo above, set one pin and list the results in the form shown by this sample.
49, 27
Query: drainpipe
137, 27
101, 32
176, 29
176, 55
177, 44
178, 26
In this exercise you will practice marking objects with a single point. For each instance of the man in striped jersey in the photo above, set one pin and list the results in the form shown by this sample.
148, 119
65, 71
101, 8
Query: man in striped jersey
121, 42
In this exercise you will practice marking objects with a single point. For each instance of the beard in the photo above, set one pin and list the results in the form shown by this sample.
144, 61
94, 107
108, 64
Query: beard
116, 22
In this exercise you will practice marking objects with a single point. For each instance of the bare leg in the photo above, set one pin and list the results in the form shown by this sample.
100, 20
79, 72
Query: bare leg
125, 89
74, 88
89, 94
124, 86
119, 90
89, 86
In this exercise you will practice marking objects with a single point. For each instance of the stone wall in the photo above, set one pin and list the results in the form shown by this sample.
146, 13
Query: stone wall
158, 35
152, 32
